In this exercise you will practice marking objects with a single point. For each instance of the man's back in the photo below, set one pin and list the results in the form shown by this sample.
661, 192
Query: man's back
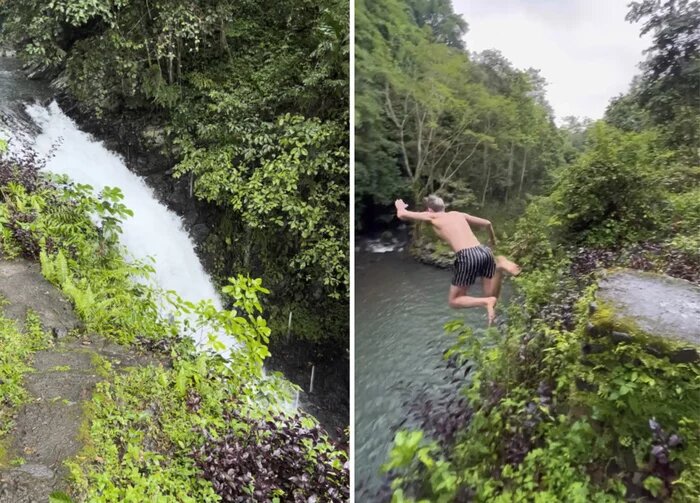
453, 228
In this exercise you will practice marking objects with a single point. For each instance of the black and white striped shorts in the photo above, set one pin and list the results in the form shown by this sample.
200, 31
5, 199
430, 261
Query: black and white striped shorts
472, 263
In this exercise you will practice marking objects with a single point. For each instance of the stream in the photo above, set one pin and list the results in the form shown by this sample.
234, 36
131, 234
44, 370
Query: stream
401, 307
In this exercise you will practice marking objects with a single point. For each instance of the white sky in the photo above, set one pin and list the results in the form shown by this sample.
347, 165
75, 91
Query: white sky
585, 49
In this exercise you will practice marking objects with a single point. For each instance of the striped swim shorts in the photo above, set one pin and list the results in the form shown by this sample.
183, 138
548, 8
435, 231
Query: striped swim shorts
472, 263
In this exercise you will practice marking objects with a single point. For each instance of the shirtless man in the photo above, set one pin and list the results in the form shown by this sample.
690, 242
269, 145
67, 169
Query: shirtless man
473, 260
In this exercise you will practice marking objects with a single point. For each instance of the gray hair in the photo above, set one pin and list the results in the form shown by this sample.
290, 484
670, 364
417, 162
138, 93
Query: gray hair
434, 202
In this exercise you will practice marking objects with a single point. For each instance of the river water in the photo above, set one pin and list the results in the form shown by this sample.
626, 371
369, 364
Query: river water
400, 309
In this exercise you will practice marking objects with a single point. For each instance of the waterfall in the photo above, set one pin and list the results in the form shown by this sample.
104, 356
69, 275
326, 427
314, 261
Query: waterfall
154, 231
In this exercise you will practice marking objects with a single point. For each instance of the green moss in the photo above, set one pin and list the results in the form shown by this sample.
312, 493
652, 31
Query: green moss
4, 461
60, 368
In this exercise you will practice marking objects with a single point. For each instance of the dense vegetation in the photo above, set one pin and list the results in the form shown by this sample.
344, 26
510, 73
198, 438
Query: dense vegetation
431, 117
155, 433
546, 418
253, 101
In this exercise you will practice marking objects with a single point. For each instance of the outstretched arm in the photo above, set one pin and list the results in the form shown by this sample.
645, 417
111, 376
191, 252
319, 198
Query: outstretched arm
403, 214
483, 224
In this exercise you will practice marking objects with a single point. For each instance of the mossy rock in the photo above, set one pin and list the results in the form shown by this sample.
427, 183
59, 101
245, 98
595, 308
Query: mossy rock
657, 311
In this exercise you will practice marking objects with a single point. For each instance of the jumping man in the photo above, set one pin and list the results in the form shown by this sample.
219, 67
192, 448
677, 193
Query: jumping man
473, 260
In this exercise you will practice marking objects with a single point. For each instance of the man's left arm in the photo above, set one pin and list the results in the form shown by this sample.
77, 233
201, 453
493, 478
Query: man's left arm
483, 224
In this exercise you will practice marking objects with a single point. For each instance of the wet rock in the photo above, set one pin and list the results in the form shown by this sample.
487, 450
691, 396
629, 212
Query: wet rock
659, 305
387, 238
154, 136
654, 351
593, 331
59, 332
38, 471
620, 337
200, 232
589, 349
22, 282
687, 355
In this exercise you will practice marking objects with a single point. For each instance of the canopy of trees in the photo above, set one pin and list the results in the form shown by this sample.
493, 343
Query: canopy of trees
430, 117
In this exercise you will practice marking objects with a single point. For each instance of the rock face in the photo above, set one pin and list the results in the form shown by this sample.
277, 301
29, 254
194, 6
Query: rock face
659, 312
658, 304
23, 286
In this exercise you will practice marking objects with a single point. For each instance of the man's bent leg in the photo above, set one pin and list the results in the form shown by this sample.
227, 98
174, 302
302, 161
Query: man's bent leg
492, 285
458, 299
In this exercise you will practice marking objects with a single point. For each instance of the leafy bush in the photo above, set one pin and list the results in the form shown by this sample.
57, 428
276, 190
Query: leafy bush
280, 458
686, 222
610, 195
545, 426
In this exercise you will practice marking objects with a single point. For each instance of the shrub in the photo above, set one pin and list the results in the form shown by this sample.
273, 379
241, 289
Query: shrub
610, 195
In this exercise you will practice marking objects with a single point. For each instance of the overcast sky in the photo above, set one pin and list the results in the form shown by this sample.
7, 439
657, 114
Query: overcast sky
584, 48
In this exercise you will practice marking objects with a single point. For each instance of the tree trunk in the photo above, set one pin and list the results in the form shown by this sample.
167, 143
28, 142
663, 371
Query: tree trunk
179, 60
487, 168
509, 180
522, 174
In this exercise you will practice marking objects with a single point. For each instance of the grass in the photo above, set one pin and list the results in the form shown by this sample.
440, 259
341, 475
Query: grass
16, 350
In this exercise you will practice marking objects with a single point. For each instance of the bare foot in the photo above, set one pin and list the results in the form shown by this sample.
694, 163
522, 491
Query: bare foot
510, 267
490, 308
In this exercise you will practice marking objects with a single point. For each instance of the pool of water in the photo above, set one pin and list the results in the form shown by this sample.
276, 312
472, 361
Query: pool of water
400, 309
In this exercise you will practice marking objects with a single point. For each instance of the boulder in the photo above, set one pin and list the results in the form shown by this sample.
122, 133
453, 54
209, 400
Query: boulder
659, 312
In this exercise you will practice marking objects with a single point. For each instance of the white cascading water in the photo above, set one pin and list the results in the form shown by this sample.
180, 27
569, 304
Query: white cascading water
154, 231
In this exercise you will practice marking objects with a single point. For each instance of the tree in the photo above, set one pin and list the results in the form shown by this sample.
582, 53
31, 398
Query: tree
447, 27
430, 117
670, 88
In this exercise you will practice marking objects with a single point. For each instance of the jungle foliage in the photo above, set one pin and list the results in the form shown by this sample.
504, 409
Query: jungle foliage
153, 433
548, 418
432, 117
256, 98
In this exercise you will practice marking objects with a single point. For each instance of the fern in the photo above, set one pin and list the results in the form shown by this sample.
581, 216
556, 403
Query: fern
48, 270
